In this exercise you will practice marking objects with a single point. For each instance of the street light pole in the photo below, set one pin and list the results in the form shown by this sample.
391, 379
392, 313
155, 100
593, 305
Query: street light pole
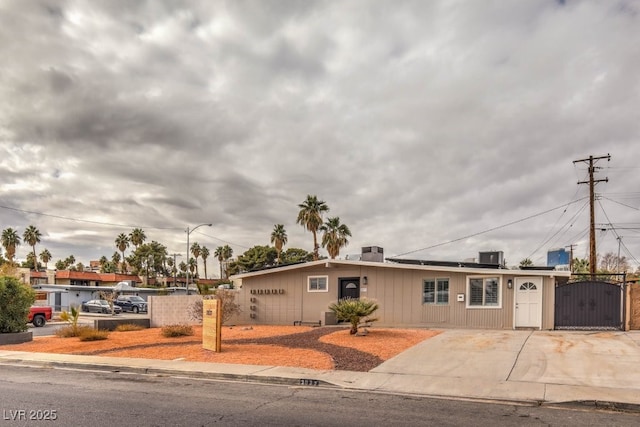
188, 234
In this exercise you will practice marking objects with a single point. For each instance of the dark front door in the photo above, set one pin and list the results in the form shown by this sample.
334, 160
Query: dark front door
349, 288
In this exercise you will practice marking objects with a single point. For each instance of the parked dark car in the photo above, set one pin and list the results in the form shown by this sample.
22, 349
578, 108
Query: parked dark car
99, 306
131, 303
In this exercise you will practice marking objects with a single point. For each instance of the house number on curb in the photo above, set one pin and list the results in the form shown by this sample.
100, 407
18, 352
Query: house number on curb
309, 382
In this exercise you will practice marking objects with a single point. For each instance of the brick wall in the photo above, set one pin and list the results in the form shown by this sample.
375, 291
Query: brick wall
171, 310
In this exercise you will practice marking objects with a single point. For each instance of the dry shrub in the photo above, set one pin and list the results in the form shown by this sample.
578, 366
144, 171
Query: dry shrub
91, 334
172, 331
128, 327
71, 331
229, 305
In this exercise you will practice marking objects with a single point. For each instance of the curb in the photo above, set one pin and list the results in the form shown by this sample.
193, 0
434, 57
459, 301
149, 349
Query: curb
598, 404
302, 382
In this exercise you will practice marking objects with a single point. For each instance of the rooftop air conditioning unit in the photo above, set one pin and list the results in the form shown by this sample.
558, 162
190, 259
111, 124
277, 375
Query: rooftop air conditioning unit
372, 253
495, 258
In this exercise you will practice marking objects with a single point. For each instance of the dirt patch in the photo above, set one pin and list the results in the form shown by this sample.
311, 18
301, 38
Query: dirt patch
295, 346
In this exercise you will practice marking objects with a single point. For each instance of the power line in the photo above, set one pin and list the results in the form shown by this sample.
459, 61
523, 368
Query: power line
491, 229
88, 221
572, 220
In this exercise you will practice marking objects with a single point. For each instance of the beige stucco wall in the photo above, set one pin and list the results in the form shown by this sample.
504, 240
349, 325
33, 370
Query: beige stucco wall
171, 310
397, 291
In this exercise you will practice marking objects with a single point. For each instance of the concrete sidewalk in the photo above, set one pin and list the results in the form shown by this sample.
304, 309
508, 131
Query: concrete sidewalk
513, 366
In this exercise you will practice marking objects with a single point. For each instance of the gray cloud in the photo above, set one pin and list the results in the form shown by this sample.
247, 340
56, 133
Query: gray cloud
417, 122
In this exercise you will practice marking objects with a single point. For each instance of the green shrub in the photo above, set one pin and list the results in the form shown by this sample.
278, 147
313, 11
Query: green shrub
15, 301
172, 331
353, 310
128, 327
91, 334
71, 331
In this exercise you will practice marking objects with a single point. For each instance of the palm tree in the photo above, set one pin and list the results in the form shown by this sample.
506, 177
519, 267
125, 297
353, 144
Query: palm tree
193, 265
137, 237
45, 257
279, 238
32, 236
204, 253
183, 267
335, 236
310, 217
219, 254
526, 262
10, 240
115, 258
122, 243
195, 251
227, 253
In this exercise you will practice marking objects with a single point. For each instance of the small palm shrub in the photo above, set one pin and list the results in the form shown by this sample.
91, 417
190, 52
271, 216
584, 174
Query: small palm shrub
173, 331
91, 334
128, 327
71, 317
353, 311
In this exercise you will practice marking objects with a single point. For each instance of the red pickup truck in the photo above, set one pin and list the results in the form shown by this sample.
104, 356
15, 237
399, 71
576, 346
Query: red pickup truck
38, 315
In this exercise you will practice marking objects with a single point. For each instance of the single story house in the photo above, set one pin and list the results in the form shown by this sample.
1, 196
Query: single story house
409, 294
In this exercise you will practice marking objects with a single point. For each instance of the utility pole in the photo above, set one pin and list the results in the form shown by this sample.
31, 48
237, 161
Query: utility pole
570, 257
592, 224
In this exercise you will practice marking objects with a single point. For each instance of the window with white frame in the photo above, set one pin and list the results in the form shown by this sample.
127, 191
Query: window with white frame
317, 284
435, 291
483, 291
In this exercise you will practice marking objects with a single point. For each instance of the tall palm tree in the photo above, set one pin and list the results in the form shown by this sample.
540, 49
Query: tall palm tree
335, 236
204, 253
310, 217
227, 253
195, 251
137, 237
32, 236
223, 254
10, 240
45, 257
122, 243
279, 238
219, 254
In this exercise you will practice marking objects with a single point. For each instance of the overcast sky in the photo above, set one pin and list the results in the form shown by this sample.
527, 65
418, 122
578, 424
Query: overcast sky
417, 122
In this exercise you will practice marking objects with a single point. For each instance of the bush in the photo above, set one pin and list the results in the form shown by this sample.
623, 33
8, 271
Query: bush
173, 331
15, 301
128, 327
91, 334
229, 305
353, 310
71, 331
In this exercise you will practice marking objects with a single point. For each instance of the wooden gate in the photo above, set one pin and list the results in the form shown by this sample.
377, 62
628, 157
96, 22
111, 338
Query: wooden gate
634, 306
589, 305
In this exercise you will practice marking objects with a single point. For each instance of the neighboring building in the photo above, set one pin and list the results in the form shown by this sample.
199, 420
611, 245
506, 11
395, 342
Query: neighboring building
410, 293
557, 257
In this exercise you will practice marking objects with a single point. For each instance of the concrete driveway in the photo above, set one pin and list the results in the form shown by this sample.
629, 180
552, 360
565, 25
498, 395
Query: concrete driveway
554, 365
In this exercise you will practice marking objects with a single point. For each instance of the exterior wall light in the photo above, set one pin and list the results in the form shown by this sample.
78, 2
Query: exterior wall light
510, 283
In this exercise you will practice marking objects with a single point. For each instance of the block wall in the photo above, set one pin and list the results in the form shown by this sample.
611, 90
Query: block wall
171, 310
